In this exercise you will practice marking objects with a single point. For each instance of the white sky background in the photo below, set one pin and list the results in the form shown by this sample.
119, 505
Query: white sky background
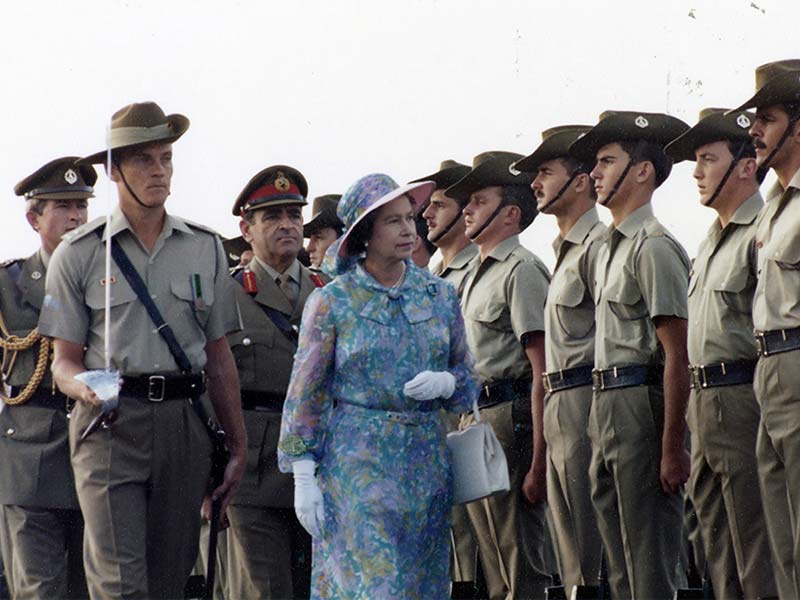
340, 89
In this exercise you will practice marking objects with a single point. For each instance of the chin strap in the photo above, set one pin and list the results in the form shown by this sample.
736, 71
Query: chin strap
621, 178
447, 229
127, 187
727, 174
560, 193
789, 128
489, 220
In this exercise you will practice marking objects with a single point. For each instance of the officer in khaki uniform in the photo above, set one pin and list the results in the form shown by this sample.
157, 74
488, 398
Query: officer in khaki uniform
269, 553
723, 413
563, 188
503, 305
41, 537
142, 479
776, 314
638, 420
445, 224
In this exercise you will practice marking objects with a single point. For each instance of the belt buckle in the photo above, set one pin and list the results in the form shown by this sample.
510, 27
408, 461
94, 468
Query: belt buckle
156, 387
761, 344
598, 381
702, 376
548, 385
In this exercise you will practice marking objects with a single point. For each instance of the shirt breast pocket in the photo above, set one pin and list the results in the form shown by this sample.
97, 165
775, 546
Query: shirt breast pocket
787, 256
493, 315
250, 349
121, 294
574, 308
195, 301
731, 287
625, 300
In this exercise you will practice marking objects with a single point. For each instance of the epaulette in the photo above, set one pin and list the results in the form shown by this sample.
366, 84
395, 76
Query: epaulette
9, 262
73, 236
199, 226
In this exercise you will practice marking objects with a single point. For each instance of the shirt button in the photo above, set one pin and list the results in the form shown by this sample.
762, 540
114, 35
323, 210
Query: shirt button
153, 296
9, 431
246, 341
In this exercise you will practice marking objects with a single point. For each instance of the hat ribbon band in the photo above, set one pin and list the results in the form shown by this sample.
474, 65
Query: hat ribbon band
59, 190
123, 136
727, 174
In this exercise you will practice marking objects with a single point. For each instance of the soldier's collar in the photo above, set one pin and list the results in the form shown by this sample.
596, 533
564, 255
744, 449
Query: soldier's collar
504, 249
119, 222
748, 210
580, 230
776, 191
634, 221
463, 258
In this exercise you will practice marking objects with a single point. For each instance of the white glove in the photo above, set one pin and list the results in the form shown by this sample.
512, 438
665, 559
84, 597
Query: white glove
307, 497
430, 385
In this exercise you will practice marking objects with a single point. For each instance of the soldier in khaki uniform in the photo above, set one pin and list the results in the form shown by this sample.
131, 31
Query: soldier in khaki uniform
446, 225
323, 229
563, 188
503, 305
723, 413
446, 231
266, 543
776, 314
41, 538
638, 420
141, 480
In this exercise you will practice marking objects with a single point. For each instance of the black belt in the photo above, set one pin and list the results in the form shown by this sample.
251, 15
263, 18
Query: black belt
732, 373
157, 388
565, 379
504, 390
45, 398
622, 377
262, 401
775, 342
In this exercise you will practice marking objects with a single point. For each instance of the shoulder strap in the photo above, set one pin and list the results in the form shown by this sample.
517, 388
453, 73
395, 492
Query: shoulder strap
278, 319
135, 281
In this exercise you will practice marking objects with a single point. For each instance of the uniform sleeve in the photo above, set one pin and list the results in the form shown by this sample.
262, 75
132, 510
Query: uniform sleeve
461, 364
310, 396
526, 293
223, 317
662, 271
65, 314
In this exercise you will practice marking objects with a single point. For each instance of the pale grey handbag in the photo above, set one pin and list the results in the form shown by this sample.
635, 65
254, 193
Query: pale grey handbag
478, 462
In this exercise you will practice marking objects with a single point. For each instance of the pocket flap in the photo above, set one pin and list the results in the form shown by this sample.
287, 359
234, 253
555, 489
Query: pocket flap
733, 280
182, 288
571, 292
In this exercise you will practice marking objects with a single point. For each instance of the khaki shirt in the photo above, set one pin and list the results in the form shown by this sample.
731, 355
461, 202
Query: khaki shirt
776, 304
569, 312
458, 269
642, 272
503, 300
74, 306
721, 288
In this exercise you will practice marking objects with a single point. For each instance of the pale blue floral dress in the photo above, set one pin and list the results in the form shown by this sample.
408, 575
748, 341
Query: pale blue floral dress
384, 469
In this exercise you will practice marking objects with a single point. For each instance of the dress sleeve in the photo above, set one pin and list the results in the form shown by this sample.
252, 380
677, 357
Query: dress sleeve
461, 364
310, 394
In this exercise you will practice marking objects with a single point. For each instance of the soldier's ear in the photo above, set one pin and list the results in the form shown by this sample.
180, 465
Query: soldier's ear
33, 219
244, 227
747, 167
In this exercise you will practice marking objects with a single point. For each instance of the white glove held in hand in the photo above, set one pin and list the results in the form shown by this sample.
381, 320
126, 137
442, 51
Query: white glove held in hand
307, 497
429, 385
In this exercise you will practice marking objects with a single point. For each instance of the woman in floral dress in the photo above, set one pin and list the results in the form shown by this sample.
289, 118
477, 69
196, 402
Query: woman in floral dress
382, 349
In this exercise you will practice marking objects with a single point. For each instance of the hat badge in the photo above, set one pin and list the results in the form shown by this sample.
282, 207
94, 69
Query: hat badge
70, 176
641, 122
281, 182
743, 121
513, 170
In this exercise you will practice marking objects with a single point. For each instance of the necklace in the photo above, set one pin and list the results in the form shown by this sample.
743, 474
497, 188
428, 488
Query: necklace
394, 290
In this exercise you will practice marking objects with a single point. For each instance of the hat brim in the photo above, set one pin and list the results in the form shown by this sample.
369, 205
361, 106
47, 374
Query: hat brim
320, 221
782, 89
445, 177
611, 131
488, 174
705, 132
420, 192
177, 122
70, 195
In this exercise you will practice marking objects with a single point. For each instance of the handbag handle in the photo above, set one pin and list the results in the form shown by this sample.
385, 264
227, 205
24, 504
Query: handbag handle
476, 413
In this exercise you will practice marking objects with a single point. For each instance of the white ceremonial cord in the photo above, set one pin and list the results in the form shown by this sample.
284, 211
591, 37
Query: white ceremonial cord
107, 316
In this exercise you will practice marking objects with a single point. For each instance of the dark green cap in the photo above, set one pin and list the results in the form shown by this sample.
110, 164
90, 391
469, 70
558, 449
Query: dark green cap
714, 125
323, 215
60, 179
449, 172
274, 186
776, 83
491, 168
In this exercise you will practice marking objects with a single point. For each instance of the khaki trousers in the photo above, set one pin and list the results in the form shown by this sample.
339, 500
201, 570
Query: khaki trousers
777, 387
269, 554
723, 487
140, 484
569, 452
510, 532
43, 552
639, 523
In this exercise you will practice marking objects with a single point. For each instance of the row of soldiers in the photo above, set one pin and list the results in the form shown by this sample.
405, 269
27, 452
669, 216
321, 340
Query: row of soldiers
584, 374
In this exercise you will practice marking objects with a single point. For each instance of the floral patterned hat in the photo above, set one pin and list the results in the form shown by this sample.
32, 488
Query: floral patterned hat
370, 193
